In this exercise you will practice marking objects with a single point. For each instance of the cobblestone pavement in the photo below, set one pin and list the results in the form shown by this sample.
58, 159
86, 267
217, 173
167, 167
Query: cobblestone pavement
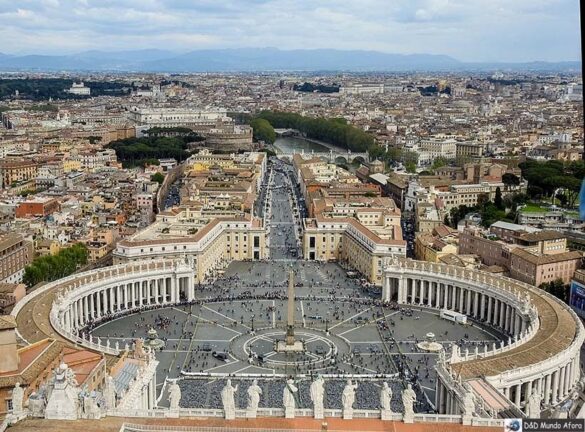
369, 339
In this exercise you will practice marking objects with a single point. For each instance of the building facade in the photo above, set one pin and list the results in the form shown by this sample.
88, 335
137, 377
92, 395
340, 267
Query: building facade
15, 254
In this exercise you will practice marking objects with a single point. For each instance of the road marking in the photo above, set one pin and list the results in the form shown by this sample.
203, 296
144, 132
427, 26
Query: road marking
225, 316
351, 317
217, 324
303, 314
217, 367
364, 368
273, 314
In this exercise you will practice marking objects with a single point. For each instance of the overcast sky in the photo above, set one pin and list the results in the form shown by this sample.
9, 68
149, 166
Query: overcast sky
469, 30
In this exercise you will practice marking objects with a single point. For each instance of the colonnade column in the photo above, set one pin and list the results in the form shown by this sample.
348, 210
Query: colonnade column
555, 387
112, 298
85, 310
430, 292
98, 306
445, 289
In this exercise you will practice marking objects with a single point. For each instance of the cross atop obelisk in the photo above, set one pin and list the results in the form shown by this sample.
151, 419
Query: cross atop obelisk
290, 319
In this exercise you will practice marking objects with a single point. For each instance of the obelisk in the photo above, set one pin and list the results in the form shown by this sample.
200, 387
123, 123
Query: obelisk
290, 319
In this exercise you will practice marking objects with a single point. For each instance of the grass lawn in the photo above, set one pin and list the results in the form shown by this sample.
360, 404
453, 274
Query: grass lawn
533, 208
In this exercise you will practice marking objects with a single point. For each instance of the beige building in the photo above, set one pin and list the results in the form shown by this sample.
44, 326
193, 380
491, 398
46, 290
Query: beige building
536, 269
10, 293
532, 256
348, 241
469, 150
15, 254
437, 243
182, 233
17, 170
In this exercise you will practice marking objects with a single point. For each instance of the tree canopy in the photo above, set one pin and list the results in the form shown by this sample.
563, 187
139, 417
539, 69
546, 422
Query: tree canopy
157, 177
56, 88
52, 267
546, 177
332, 131
263, 130
140, 151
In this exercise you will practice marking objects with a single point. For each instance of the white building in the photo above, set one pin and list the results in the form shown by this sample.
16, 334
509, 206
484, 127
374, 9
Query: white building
354, 89
430, 149
79, 89
170, 117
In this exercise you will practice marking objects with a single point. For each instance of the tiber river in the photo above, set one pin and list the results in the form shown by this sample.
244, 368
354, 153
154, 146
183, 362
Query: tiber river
288, 144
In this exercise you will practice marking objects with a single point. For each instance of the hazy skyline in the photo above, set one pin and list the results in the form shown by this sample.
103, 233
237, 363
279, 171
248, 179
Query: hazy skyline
469, 30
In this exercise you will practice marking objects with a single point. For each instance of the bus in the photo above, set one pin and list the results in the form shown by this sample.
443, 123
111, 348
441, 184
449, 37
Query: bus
453, 316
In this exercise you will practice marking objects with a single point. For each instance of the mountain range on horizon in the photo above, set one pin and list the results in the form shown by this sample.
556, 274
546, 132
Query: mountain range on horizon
260, 59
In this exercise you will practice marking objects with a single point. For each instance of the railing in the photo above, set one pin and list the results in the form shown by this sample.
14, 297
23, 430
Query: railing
482, 421
279, 412
54, 320
129, 427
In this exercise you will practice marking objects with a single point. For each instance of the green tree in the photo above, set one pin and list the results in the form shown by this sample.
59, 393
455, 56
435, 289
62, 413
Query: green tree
498, 199
376, 152
49, 268
490, 214
556, 288
438, 163
410, 167
263, 130
510, 179
157, 177
482, 199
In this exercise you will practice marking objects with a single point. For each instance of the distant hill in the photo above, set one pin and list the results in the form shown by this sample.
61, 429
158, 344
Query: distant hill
258, 59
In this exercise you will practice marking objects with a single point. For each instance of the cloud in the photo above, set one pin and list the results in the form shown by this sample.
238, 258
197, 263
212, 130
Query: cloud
505, 30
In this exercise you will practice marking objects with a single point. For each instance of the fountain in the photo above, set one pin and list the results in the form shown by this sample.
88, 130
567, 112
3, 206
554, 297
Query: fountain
153, 342
430, 344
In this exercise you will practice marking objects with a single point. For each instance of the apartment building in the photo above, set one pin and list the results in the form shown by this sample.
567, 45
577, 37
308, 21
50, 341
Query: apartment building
172, 117
433, 148
536, 269
469, 150
534, 257
433, 245
492, 252
15, 254
14, 170
37, 207
348, 220
352, 243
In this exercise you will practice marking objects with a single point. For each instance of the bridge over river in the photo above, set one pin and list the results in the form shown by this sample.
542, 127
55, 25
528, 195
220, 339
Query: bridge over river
332, 156
291, 142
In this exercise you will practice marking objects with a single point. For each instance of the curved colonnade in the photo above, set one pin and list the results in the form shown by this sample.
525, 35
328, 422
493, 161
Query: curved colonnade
92, 296
542, 352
